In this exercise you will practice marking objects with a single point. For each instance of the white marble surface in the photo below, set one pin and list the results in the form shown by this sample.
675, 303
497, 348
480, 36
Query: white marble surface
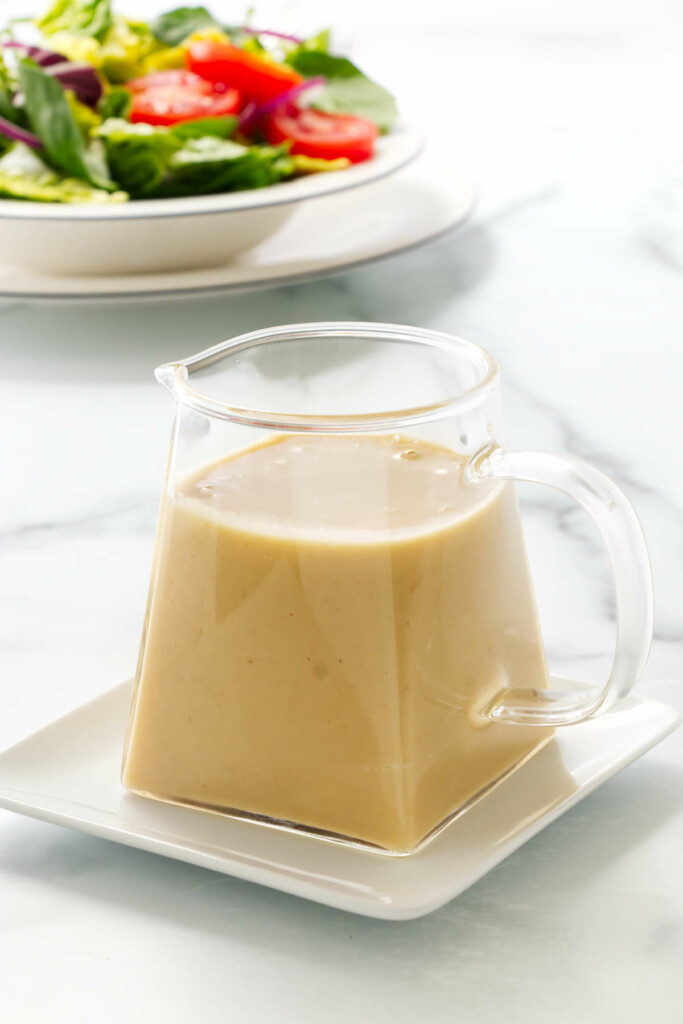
570, 273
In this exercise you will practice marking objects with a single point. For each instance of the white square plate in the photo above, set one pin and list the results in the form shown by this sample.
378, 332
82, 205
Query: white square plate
68, 773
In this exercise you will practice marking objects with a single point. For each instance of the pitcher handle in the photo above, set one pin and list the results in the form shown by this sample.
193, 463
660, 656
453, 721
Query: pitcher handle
622, 533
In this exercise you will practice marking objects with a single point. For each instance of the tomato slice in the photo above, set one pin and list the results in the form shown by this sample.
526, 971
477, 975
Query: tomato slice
175, 78
326, 136
168, 97
257, 78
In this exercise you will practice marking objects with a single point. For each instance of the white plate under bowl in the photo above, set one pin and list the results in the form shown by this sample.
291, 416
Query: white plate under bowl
68, 773
173, 234
346, 230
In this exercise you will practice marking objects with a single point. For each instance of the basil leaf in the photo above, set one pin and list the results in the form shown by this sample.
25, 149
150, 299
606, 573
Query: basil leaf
50, 117
77, 17
347, 90
175, 26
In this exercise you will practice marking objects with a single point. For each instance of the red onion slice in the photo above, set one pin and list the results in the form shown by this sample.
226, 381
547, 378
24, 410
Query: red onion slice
17, 134
80, 77
255, 111
43, 57
268, 32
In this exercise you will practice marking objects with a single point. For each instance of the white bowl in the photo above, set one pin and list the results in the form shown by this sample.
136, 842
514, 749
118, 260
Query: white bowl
174, 234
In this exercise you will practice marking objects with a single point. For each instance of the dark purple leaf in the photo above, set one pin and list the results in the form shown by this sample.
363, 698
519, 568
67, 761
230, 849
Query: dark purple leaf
82, 79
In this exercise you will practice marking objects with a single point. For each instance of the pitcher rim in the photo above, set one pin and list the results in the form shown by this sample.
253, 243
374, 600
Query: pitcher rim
175, 376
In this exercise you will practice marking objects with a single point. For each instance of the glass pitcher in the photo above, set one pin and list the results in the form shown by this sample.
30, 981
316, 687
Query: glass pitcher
341, 636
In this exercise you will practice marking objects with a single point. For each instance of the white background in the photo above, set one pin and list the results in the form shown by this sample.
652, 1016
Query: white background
569, 116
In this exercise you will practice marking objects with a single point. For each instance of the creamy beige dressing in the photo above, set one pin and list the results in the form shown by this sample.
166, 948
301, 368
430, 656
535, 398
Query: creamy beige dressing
329, 614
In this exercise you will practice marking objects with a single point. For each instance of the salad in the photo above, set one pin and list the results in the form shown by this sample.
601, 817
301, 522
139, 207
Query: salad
98, 108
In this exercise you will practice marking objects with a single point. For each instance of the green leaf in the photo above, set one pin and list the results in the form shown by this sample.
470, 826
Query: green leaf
208, 150
208, 165
119, 53
115, 129
15, 115
247, 42
123, 52
84, 116
347, 90
77, 17
51, 119
150, 161
7, 108
115, 103
23, 175
175, 26
315, 165
319, 43
137, 154
221, 127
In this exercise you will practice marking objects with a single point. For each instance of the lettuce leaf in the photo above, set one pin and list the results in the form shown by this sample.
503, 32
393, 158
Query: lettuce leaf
77, 17
208, 165
221, 127
302, 164
124, 49
84, 116
155, 162
137, 154
166, 58
115, 103
119, 53
320, 43
23, 175
347, 90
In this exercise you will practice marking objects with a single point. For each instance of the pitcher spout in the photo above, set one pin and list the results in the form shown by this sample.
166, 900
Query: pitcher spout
166, 375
